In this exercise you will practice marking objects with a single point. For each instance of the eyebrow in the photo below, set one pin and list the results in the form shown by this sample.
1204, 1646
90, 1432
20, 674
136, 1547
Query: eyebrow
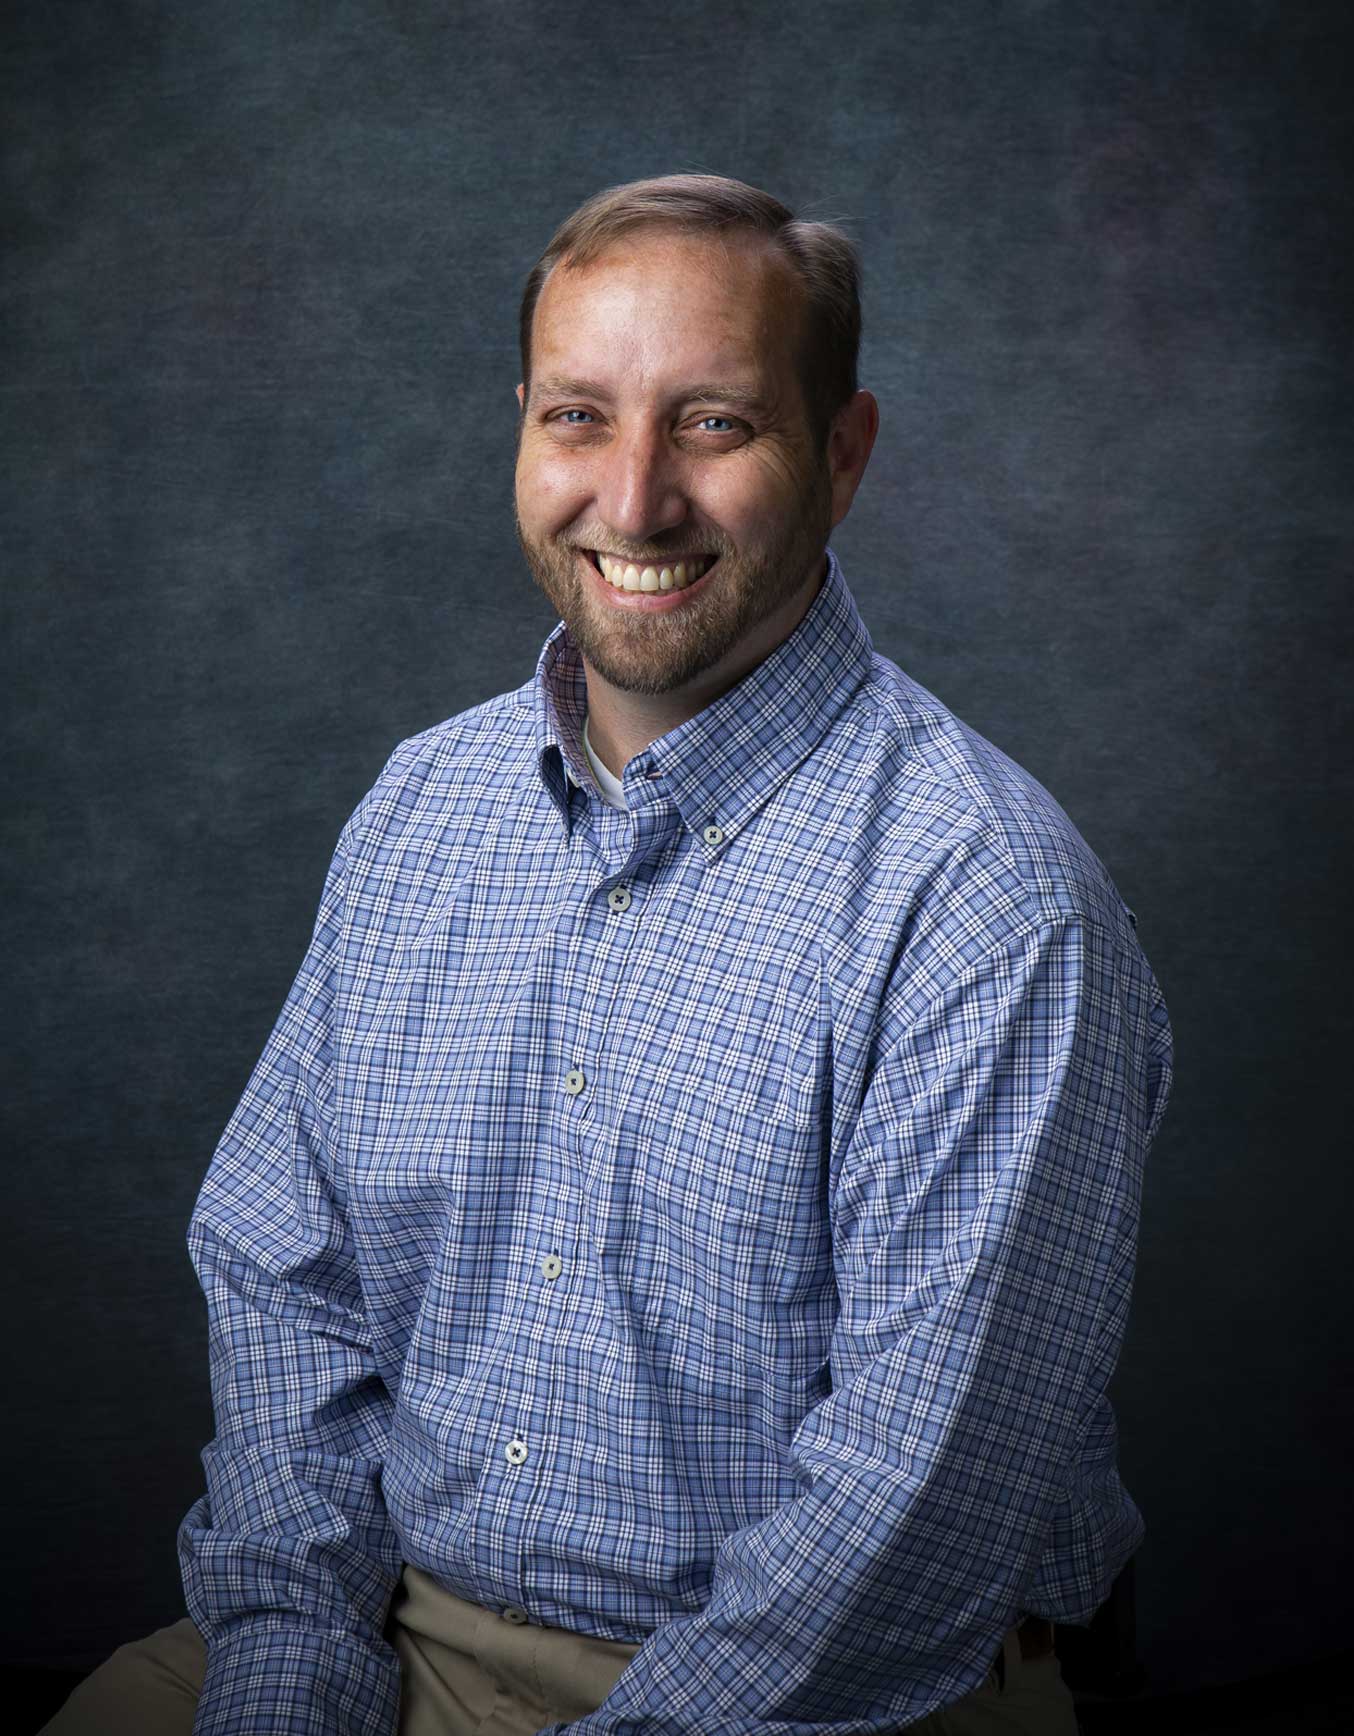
736, 397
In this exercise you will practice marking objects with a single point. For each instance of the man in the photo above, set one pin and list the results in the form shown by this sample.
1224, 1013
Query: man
678, 1236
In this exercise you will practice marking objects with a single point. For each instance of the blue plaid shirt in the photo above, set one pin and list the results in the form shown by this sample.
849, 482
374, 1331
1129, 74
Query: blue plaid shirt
709, 1224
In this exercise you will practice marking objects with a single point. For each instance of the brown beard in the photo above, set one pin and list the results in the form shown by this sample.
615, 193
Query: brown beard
655, 653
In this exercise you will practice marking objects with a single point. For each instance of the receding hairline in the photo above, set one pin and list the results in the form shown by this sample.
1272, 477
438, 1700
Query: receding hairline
597, 250
646, 224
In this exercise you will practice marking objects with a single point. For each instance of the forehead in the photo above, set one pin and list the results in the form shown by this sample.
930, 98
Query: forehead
657, 304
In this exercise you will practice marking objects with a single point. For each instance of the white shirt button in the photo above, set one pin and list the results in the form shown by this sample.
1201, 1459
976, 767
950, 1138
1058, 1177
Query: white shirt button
515, 1452
515, 1614
619, 898
713, 835
552, 1266
574, 1082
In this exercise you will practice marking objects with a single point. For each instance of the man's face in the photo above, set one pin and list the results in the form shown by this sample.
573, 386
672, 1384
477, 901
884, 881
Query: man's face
666, 424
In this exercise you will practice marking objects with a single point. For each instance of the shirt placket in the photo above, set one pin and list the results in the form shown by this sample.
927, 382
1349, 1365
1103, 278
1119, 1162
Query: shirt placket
621, 851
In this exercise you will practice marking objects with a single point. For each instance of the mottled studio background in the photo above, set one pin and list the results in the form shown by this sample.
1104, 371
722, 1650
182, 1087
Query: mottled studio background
260, 271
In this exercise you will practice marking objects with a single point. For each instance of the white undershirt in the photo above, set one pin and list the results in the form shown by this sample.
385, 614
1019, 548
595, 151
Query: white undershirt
612, 792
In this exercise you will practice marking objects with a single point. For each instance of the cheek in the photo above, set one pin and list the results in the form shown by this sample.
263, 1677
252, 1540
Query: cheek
768, 484
550, 491
783, 470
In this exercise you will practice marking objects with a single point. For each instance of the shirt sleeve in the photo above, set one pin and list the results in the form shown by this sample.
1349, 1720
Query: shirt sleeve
984, 1221
289, 1560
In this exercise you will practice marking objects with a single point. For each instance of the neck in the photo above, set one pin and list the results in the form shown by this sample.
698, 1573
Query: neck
622, 724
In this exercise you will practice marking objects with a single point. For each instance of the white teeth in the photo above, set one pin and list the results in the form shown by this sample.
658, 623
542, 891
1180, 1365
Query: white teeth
623, 576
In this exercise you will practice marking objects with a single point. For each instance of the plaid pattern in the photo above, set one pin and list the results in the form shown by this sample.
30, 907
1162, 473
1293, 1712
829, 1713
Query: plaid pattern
710, 1224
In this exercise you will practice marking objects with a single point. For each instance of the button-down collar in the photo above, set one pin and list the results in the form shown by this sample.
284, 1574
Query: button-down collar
722, 764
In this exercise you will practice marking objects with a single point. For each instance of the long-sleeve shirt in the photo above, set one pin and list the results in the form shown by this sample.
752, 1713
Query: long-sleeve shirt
709, 1224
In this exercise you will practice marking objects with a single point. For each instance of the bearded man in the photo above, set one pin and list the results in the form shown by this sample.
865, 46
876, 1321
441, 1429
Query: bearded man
665, 1270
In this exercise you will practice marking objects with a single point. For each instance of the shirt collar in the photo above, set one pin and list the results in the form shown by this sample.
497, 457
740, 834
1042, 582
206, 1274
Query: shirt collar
721, 765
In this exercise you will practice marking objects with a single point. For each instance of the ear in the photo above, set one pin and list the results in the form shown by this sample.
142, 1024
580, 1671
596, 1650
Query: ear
849, 444
521, 399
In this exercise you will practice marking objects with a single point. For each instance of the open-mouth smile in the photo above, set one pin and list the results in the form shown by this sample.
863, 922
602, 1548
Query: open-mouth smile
649, 584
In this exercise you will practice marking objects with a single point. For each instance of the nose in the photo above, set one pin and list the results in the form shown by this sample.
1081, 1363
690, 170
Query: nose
640, 490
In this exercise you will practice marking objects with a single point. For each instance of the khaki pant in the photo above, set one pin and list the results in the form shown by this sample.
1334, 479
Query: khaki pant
466, 1671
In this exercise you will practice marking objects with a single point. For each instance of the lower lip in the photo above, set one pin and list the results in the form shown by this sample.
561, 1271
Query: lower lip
645, 602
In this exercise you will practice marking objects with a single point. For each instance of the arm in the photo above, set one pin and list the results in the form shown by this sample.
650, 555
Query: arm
984, 1224
290, 1560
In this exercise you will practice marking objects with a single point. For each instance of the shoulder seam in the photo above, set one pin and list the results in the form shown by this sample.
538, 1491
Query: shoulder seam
407, 751
962, 802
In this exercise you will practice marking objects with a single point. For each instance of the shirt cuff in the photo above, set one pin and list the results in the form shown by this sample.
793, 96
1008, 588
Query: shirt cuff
285, 1680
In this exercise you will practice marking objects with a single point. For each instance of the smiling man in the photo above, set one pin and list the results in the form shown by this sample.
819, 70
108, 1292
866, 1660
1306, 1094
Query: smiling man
665, 1270
674, 492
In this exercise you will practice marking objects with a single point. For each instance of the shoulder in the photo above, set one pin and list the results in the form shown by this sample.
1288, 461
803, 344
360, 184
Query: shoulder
480, 754
967, 819
978, 863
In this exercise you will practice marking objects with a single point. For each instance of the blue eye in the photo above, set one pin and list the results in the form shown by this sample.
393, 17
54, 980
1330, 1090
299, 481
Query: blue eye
728, 425
568, 413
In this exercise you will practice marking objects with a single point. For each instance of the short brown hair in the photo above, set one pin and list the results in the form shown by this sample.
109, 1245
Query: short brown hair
821, 256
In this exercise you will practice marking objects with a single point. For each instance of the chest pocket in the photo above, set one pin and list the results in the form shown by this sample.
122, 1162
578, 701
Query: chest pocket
730, 1180
777, 1092
714, 1229
709, 1150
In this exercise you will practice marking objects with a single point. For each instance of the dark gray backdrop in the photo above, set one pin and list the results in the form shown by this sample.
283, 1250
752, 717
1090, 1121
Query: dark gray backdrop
260, 272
